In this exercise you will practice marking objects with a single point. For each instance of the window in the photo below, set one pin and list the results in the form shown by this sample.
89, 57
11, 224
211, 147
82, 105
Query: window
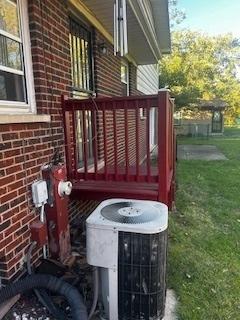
80, 39
16, 81
125, 78
217, 122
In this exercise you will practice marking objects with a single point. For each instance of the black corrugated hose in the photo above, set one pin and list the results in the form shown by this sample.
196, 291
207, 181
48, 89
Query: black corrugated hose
38, 281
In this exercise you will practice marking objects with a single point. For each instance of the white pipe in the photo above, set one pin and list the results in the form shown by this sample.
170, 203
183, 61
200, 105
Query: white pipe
42, 214
121, 32
95, 293
125, 33
114, 30
43, 220
117, 25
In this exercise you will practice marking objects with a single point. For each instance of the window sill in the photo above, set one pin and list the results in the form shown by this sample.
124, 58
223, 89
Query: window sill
24, 118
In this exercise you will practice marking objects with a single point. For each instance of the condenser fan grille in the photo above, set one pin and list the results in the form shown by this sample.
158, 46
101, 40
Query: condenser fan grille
141, 275
130, 212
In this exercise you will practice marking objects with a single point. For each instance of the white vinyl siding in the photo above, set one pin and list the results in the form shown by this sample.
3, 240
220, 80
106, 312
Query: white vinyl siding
147, 79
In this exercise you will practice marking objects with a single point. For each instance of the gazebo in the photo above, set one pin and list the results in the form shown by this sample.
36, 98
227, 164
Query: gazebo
216, 107
206, 119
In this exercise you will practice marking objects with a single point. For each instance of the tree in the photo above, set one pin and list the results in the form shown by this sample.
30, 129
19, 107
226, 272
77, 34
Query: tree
202, 67
176, 15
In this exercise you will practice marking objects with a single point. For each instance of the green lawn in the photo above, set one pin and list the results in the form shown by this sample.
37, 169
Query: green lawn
204, 247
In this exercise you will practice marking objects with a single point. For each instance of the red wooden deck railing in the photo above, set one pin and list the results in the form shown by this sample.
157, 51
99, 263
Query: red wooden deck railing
110, 144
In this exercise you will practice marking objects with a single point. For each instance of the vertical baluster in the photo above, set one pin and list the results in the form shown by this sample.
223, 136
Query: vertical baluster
95, 142
105, 142
126, 140
85, 147
171, 134
86, 61
90, 135
163, 131
148, 141
76, 61
137, 138
74, 124
67, 134
115, 141
82, 56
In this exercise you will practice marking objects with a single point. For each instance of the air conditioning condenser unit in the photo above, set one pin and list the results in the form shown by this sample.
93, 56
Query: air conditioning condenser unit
127, 240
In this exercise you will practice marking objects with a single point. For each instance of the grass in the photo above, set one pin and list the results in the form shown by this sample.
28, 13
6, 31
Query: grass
204, 246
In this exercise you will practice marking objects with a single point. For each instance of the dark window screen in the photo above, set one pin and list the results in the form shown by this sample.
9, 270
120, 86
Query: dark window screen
12, 87
80, 39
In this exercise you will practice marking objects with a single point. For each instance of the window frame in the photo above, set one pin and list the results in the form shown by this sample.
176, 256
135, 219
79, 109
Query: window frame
81, 92
17, 107
126, 64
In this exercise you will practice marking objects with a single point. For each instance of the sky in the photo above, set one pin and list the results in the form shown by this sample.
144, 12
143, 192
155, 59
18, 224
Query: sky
211, 16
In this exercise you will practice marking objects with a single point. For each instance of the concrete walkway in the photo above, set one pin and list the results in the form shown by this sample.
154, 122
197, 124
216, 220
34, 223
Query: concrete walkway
199, 152
171, 305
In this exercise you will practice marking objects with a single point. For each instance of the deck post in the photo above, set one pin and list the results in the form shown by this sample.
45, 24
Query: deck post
163, 144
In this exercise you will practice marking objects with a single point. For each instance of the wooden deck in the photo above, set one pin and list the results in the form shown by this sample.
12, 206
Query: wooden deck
121, 165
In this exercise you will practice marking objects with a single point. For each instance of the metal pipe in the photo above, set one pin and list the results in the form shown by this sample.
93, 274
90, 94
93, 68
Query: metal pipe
95, 292
114, 29
43, 219
117, 25
125, 37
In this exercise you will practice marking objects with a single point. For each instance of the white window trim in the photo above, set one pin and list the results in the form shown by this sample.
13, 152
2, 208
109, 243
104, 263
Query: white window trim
11, 70
126, 82
15, 107
9, 35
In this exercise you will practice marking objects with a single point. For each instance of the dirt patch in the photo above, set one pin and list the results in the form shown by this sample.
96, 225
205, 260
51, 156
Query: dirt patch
199, 152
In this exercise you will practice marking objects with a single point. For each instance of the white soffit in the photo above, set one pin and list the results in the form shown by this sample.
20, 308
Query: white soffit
161, 22
145, 46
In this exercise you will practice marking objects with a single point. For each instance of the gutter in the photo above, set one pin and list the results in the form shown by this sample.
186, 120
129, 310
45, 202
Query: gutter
146, 22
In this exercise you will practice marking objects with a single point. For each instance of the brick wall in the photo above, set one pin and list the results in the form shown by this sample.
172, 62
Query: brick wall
107, 69
25, 147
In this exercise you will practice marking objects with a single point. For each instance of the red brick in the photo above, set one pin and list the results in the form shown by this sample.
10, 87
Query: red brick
13, 244
12, 153
12, 229
15, 185
10, 213
14, 169
17, 201
19, 216
6, 180
5, 225
10, 136
8, 197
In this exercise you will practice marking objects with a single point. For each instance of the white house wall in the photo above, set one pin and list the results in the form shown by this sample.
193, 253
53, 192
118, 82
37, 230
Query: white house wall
147, 79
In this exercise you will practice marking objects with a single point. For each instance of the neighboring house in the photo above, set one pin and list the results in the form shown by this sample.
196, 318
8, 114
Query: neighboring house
207, 119
51, 48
